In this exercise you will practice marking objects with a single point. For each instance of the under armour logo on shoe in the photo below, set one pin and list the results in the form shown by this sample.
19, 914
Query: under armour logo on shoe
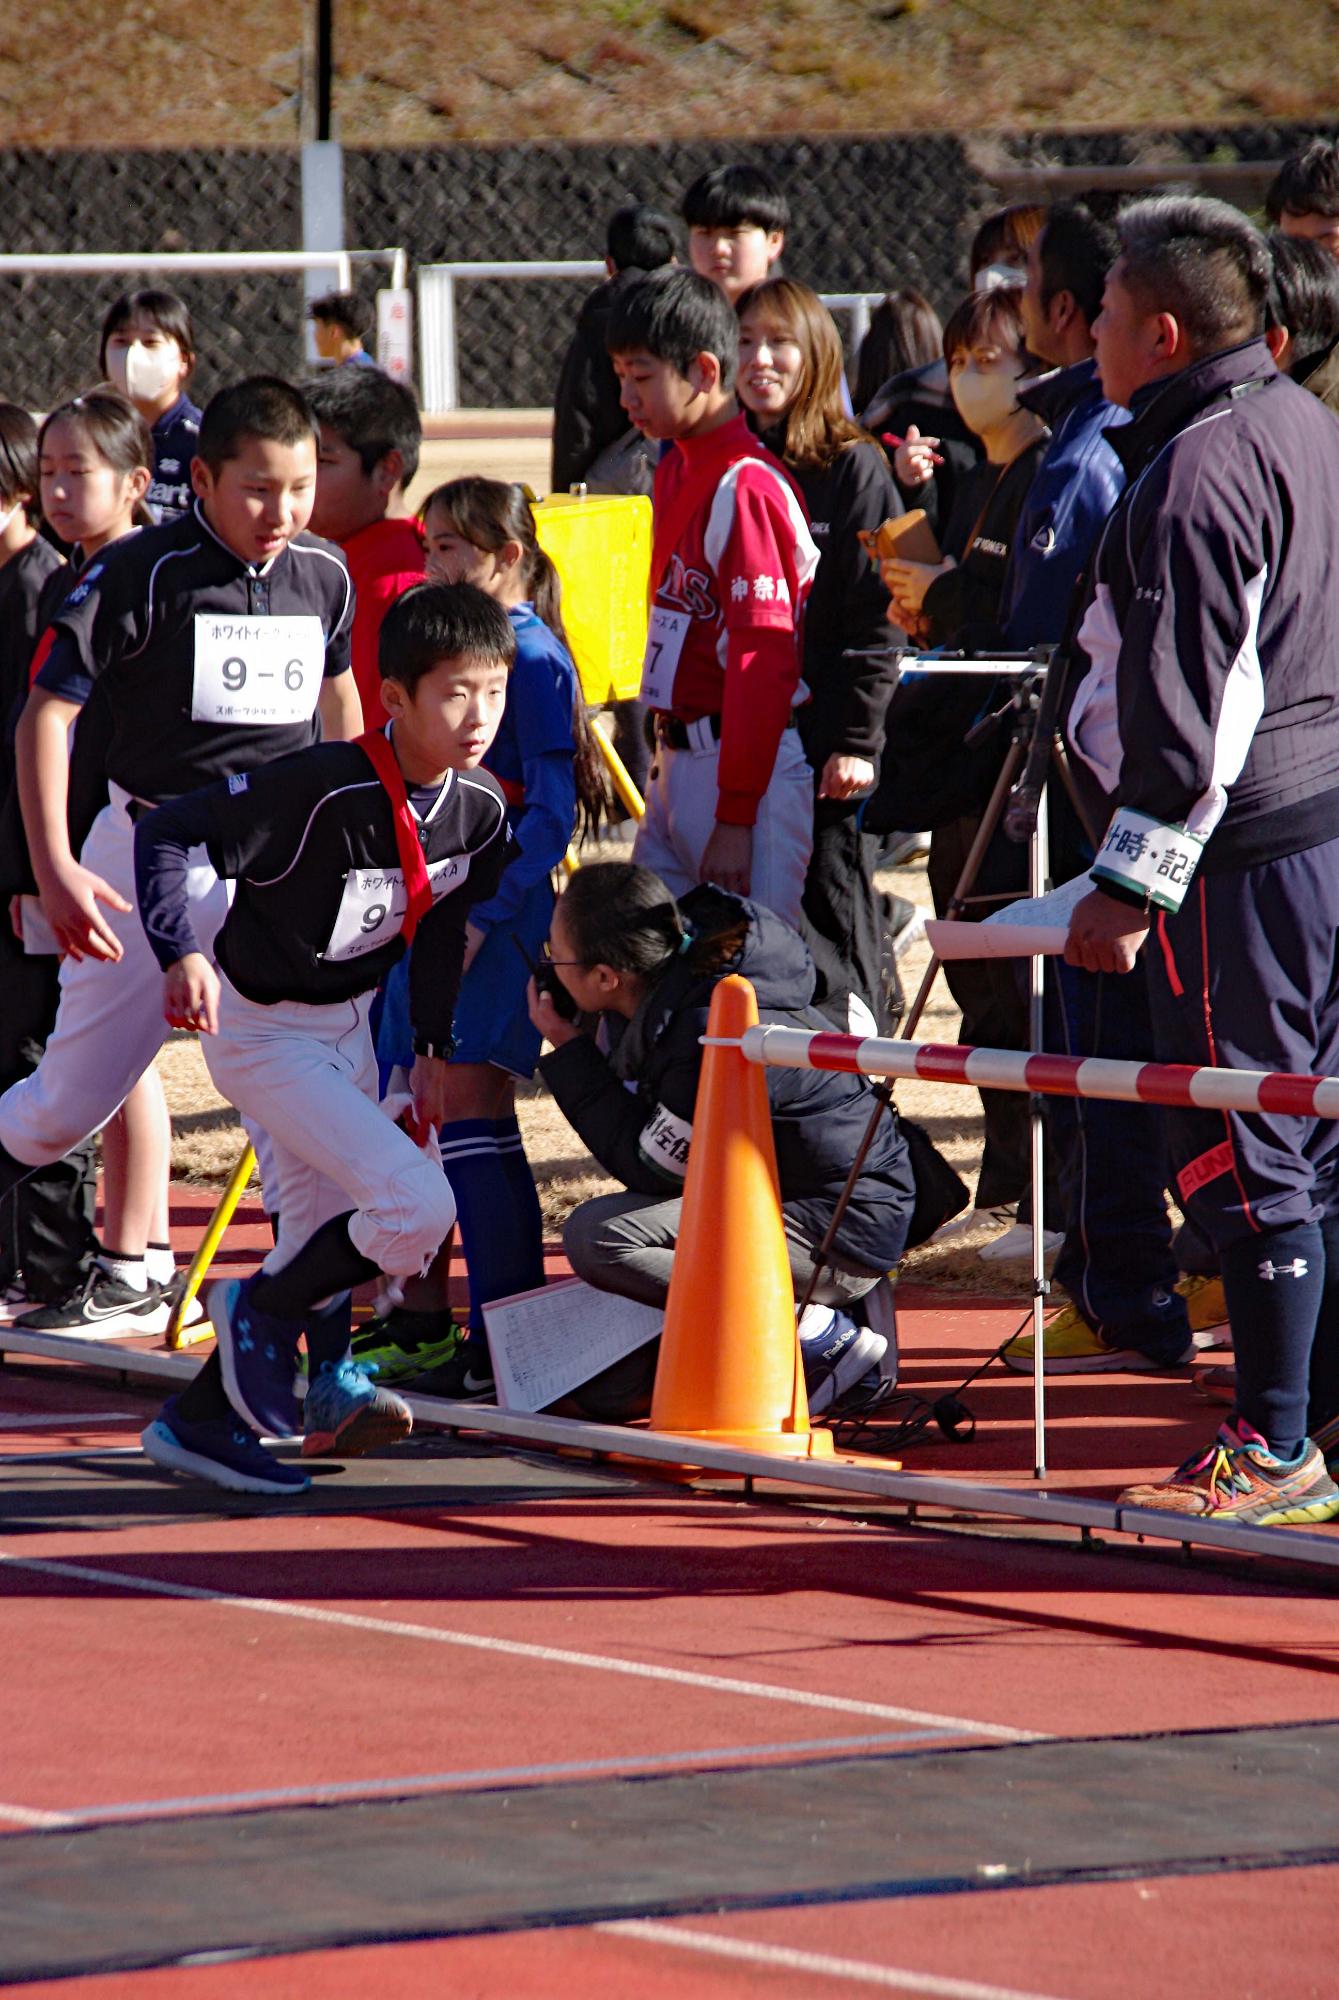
1269, 1270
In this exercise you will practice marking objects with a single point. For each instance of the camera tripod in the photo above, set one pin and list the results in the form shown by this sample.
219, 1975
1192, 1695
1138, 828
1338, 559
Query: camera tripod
1018, 802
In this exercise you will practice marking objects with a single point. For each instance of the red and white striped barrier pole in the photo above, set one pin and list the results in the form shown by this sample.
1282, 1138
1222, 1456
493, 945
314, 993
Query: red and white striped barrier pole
1050, 1076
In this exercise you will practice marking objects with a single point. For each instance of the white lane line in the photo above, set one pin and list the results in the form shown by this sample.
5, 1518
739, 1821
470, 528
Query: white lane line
819, 1963
9, 1422
734, 1755
30, 1816
524, 1650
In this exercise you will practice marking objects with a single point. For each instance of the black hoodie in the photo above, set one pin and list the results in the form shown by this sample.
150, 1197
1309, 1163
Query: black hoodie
587, 415
633, 1108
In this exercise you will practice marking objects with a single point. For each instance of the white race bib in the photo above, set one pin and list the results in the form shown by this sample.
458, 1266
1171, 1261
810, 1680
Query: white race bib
664, 643
371, 910
256, 671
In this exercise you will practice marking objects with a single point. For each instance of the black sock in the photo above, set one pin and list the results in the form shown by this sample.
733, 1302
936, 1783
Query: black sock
1274, 1283
1323, 1400
327, 1263
204, 1399
329, 1333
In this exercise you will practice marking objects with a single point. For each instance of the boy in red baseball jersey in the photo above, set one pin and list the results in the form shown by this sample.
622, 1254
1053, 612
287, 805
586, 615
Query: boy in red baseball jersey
367, 456
730, 798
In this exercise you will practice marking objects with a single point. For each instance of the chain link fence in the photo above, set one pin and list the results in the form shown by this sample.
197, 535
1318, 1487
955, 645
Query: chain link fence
867, 215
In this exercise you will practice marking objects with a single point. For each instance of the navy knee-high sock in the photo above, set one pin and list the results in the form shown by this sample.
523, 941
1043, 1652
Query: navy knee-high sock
496, 1239
1323, 1402
525, 1198
1274, 1283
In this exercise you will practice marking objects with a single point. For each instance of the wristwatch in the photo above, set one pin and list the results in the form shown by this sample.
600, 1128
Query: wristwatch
434, 1051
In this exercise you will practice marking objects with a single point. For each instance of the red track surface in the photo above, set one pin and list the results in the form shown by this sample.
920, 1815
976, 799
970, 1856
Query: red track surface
125, 1698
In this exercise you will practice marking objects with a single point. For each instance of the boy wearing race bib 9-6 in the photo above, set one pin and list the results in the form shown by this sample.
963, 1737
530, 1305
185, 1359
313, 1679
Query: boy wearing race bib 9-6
222, 641
730, 798
341, 856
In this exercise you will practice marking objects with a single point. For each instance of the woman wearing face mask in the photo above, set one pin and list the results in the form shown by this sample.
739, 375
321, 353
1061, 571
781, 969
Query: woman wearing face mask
932, 776
983, 346
148, 350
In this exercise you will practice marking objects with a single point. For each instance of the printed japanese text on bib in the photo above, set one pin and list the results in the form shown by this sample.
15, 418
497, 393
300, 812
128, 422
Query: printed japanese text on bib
371, 910
664, 643
256, 671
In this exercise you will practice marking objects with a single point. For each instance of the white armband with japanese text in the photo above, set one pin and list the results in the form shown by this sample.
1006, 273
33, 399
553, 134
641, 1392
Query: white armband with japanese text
664, 1142
1148, 859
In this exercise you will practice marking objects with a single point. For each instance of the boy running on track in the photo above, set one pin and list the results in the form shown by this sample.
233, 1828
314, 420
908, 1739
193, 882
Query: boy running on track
219, 638
338, 854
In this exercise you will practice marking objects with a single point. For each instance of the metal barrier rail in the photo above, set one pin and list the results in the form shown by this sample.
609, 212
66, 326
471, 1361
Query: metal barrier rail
89, 264
850, 1478
438, 373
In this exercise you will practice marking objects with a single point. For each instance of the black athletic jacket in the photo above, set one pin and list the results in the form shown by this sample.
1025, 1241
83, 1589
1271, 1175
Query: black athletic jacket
634, 1107
1210, 638
846, 606
310, 842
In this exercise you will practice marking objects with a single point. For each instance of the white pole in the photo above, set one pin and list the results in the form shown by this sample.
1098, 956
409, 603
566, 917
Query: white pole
446, 339
1039, 868
323, 223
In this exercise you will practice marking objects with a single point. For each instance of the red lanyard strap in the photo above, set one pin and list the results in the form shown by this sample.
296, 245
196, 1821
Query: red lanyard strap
418, 889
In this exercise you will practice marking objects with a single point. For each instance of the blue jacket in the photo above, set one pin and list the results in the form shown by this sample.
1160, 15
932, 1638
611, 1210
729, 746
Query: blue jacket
1077, 483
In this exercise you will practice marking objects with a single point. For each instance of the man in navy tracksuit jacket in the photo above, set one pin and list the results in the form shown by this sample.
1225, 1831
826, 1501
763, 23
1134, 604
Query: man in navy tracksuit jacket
1117, 1262
1207, 725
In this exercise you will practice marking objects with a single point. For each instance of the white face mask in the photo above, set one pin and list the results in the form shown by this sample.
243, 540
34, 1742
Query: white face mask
985, 399
995, 276
145, 373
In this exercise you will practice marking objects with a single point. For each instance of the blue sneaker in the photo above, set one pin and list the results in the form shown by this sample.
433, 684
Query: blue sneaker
259, 1357
223, 1452
347, 1413
837, 1354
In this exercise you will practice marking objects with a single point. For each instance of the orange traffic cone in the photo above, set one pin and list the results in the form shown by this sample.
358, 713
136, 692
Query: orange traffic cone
729, 1366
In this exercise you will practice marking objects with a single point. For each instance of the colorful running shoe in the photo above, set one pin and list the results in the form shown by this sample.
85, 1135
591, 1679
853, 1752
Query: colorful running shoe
259, 1357
1239, 1479
223, 1452
346, 1413
406, 1344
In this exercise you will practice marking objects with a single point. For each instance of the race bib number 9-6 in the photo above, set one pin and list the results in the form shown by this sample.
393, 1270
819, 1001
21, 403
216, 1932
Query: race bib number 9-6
371, 910
258, 672
664, 643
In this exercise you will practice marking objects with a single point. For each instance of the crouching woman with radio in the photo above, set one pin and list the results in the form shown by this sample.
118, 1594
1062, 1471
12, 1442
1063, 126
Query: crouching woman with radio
641, 966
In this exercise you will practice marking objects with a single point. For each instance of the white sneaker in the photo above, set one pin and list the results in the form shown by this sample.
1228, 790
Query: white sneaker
1016, 1244
997, 1219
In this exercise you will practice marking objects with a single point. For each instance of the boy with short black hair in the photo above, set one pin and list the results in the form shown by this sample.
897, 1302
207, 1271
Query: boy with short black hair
368, 454
737, 218
730, 798
341, 855
342, 325
222, 641
1303, 197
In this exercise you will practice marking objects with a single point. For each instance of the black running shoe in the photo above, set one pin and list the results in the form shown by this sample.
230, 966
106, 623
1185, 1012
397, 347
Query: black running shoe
101, 1309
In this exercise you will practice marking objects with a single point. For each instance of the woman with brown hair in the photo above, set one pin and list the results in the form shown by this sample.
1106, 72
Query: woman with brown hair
790, 370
